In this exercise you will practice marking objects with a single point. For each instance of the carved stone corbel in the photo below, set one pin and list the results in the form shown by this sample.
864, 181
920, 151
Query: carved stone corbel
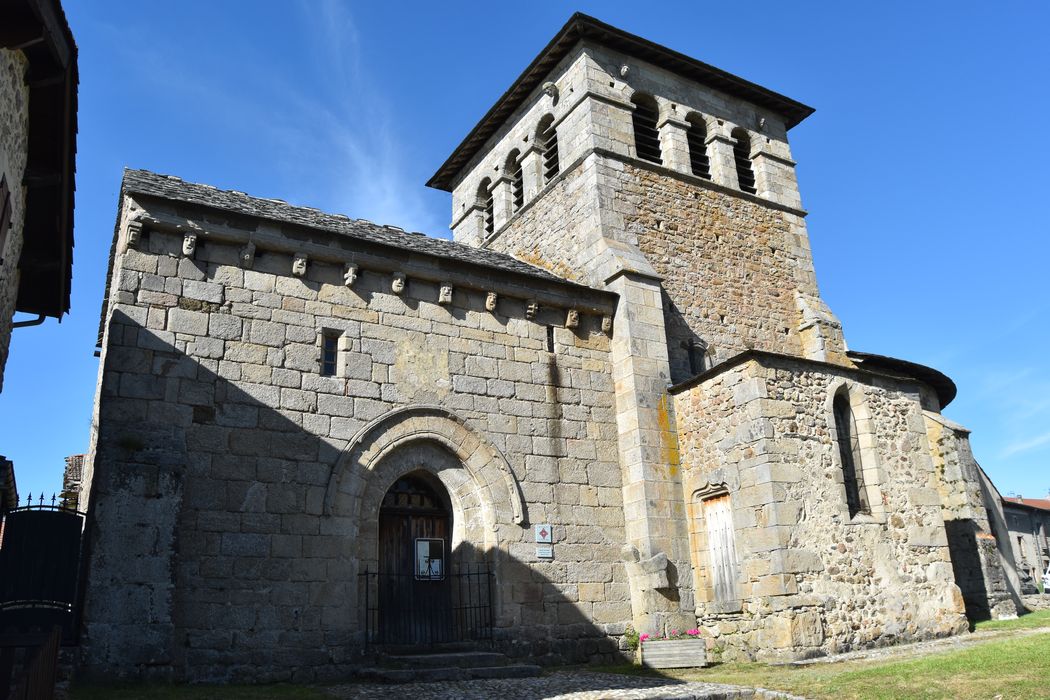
531, 307
247, 255
134, 233
189, 244
350, 272
299, 263
645, 574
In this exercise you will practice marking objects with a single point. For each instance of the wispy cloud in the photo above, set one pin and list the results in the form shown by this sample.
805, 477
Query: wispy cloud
996, 381
359, 146
1025, 445
333, 141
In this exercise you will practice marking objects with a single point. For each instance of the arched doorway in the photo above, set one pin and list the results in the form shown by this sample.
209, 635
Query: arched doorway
415, 593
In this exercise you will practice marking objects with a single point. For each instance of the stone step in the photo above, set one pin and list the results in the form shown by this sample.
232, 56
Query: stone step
451, 673
458, 659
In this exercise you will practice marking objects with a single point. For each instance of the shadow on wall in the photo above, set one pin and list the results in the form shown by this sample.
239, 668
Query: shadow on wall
213, 556
688, 353
966, 564
1001, 531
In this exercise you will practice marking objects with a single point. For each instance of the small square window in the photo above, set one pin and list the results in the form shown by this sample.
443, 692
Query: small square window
329, 354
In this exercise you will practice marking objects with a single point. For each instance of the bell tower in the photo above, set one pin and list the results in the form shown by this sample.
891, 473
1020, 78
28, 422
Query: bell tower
626, 166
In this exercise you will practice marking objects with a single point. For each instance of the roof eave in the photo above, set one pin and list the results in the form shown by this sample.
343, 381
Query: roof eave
38, 28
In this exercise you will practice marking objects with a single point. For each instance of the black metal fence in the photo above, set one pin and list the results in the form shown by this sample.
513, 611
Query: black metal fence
401, 609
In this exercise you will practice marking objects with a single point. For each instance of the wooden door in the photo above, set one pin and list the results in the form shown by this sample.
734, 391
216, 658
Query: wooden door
414, 597
721, 545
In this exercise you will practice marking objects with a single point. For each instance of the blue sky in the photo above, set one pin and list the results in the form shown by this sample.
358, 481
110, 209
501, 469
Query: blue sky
924, 167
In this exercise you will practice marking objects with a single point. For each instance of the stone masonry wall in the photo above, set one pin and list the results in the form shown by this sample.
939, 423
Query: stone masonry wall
812, 580
731, 267
226, 544
14, 147
975, 553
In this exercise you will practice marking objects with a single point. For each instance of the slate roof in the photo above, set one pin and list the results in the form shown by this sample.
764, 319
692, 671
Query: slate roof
174, 188
940, 382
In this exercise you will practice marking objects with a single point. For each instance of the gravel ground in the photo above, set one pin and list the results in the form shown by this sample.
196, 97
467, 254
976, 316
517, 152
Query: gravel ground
569, 685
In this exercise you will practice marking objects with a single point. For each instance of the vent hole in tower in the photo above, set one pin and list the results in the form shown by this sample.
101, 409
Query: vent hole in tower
550, 338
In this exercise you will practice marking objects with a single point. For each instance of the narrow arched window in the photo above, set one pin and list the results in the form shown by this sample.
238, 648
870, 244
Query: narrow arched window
697, 352
517, 186
849, 452
697, 139
745, 176
547, 139
485, 202
646, 135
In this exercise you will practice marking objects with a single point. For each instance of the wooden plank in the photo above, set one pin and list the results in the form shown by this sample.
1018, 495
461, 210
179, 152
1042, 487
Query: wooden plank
674, 653
721, 541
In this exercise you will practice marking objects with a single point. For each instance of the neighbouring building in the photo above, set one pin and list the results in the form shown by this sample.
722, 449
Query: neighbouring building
1028, 524
72, 478
8, 487
38, 127
618, 390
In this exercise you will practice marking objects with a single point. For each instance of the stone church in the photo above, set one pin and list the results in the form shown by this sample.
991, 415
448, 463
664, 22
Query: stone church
615, 400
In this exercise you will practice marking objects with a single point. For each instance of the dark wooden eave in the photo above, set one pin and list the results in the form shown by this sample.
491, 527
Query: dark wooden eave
38, 29
581, 27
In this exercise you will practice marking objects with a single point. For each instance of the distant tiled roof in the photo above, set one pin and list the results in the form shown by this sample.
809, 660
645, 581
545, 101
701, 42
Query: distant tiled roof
1041, 503
174, 188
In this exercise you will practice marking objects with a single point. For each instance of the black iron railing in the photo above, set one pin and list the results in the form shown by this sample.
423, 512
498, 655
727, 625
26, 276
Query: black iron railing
402, 609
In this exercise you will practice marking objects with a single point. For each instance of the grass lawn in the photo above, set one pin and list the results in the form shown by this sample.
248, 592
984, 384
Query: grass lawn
1017, 667
1039, 618
1004, 665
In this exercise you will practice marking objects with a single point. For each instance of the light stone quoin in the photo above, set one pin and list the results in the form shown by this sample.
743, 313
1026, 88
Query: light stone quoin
270, 412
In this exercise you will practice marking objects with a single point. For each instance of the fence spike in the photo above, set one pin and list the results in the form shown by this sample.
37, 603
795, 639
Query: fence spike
29, 498
52, 500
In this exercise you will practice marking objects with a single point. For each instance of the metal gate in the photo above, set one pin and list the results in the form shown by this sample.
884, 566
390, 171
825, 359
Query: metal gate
39, 568
401, 609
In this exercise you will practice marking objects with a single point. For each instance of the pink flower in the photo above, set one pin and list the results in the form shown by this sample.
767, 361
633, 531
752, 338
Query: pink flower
674, 633
642, 637
693, 632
